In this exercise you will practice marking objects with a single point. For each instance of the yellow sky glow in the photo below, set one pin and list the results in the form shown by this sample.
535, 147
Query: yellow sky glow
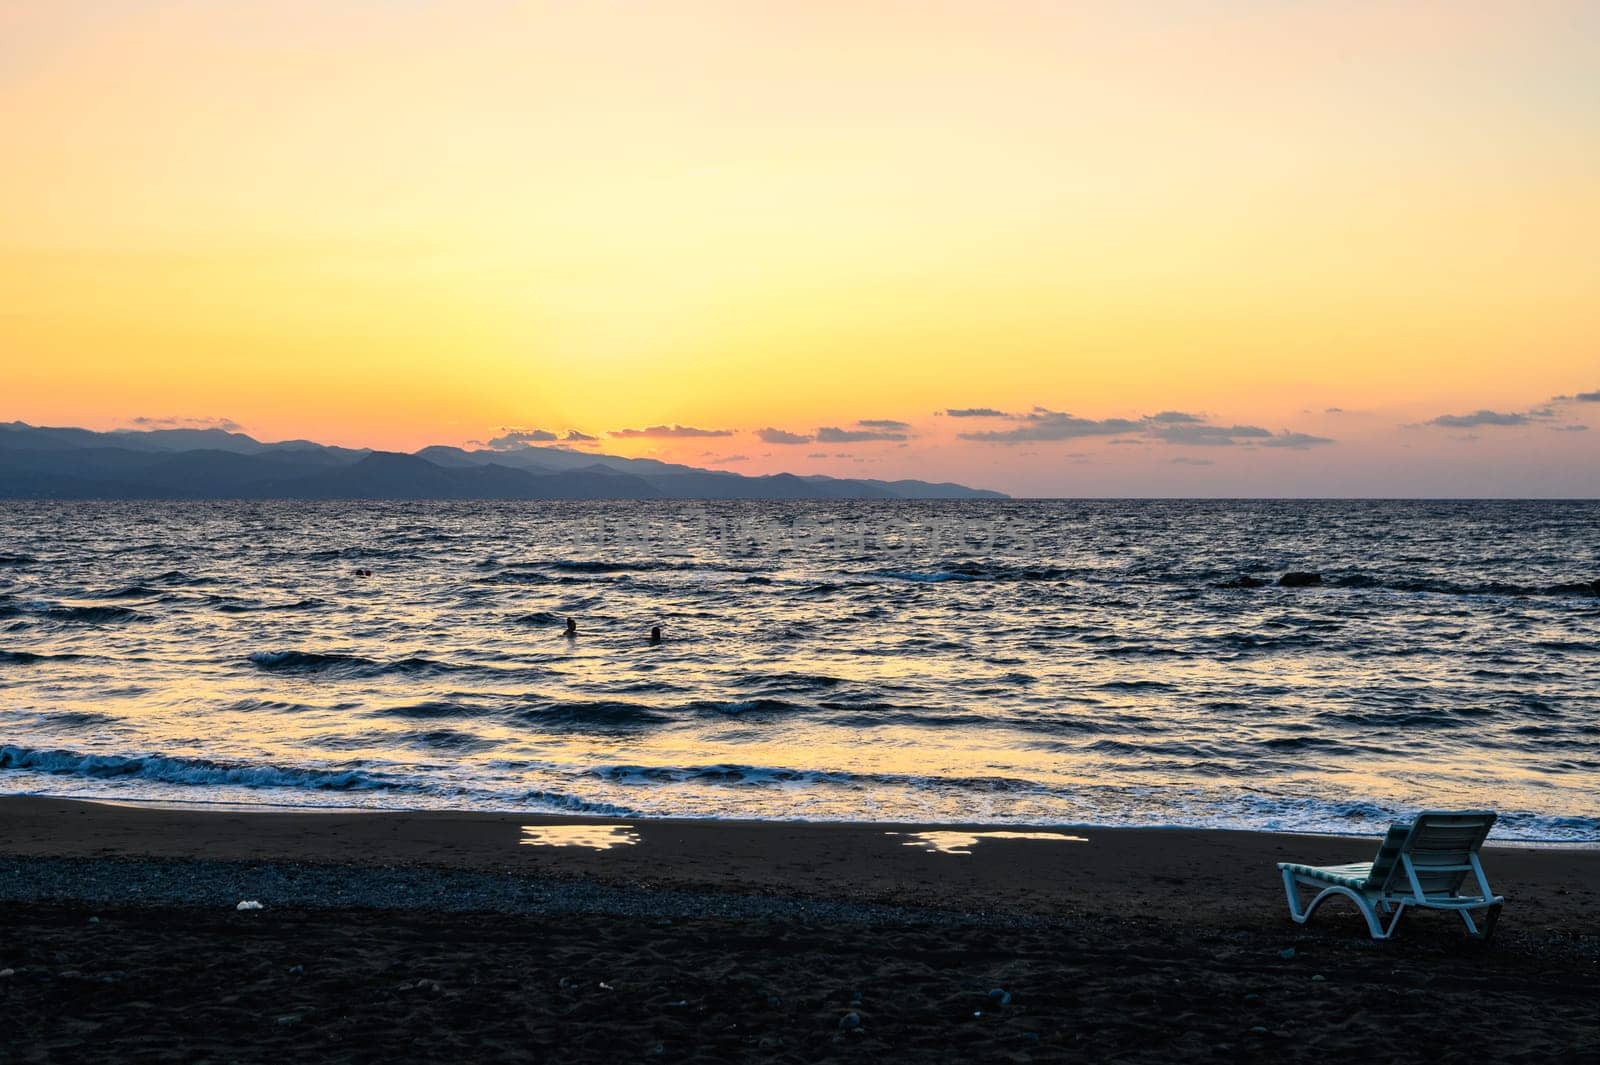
393, 223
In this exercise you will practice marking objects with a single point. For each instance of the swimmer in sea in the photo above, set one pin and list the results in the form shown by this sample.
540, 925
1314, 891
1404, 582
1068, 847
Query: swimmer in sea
572, 629
655, 634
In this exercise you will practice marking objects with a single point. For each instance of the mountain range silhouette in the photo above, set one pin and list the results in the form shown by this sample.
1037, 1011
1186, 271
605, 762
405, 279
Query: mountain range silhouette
39, 462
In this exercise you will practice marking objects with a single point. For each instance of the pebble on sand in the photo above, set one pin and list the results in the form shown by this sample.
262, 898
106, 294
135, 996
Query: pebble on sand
249, 904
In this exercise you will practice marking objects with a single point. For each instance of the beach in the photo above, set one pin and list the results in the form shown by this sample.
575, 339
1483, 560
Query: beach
462, 936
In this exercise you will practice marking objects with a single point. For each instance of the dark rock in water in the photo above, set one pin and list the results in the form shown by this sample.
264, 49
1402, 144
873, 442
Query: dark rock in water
1244, 580
1299, 579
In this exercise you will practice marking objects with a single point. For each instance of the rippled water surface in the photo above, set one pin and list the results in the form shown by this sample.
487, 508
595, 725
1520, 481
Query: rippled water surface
1025, 662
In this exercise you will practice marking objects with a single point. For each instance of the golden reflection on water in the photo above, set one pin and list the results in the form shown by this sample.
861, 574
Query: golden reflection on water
963, 842
594, 837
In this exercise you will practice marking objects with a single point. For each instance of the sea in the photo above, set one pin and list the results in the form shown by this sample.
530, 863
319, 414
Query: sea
1010, 662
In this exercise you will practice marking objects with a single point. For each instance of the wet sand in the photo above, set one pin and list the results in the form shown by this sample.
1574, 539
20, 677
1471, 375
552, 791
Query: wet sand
434, 936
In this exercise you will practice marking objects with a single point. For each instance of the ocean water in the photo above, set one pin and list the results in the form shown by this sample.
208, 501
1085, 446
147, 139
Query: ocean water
1007, 662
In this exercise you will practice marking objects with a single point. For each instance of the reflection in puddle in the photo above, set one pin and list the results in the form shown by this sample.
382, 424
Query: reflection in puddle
963, 842
595, 837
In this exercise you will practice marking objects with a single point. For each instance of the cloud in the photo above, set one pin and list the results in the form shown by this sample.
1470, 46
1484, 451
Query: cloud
575, 437
830, 434
1569, 428
884, 423
975, 412
1480, 418
1183, 460
1295, 441
1041, 424
227, 425
817, 455
732, 458
669, 432
1169, 426
1200, 435
1581, 397
510, 439
770, 435
1334, 410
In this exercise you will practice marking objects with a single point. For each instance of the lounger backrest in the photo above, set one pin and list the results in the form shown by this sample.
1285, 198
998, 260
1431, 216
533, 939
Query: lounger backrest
1388, 859
1440, 845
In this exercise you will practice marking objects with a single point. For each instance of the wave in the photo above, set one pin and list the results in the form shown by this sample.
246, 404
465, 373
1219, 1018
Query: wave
313, 662
338, 554
430, 709
132, 591
603, 714
16, 561
923, 578
29, 658
178, 577
579, 565
230, 605
611, 714
572, 804
516, 577
537, 617
444, 739
743, 707
179, 770
976, 571
279, 706
770, 682
71, 613
733, 773
80, 719
1579, 589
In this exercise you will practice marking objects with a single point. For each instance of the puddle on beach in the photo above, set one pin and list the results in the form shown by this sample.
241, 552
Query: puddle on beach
595, 837
963, 842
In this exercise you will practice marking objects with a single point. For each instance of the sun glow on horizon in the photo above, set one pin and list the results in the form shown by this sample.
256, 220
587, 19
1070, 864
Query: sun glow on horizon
1366, 232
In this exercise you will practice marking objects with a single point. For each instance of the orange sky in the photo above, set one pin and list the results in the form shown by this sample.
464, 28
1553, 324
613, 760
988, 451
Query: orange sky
388, 223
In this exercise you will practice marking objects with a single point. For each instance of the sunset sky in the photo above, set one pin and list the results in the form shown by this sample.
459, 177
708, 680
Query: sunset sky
1194, 248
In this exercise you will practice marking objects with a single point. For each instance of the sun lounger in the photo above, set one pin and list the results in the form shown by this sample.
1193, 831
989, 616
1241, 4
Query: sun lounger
1420, 864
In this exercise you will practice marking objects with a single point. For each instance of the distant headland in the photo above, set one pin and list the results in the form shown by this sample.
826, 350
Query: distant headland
63, 463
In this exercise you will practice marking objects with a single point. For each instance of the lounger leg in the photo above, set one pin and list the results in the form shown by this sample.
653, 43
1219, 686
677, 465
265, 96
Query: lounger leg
1368, 912
1373, 924
1297, 915
1466, 919
1490, 919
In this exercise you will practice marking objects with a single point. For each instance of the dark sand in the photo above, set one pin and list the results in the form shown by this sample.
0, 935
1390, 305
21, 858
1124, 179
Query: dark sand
423, 936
